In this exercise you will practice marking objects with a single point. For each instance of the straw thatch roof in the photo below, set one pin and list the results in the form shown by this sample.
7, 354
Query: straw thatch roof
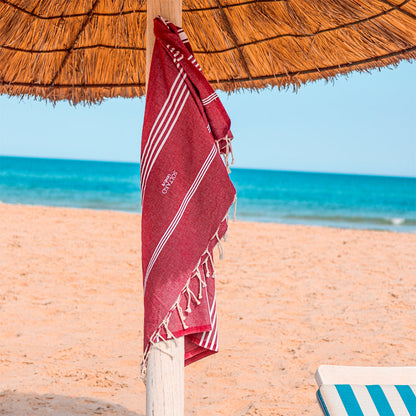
86, 50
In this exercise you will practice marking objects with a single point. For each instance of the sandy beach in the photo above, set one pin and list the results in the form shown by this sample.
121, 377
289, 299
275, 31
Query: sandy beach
289, 298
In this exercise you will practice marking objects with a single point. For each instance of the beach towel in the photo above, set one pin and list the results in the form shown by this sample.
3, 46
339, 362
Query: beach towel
186, 196
366, 391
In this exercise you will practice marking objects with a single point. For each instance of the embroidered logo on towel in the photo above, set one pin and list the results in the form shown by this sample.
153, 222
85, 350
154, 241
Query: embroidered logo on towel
166, 184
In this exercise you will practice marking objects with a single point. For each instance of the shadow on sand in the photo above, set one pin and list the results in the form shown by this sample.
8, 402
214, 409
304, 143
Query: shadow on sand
13, 403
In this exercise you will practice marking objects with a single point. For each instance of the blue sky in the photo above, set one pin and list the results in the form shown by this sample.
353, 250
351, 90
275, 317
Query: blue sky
363, 123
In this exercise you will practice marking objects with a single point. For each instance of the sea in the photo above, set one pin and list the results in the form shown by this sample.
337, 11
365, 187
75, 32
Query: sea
334, 200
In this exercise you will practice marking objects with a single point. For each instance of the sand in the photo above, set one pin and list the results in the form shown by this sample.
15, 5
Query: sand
289, 298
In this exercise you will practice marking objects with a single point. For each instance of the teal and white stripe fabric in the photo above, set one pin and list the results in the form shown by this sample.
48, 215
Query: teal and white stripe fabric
367, 400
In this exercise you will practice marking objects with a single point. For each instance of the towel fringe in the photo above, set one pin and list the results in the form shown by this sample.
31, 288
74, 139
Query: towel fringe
230, 149
169, 334
189, 295
207, 271
227, 218
201, 282
219, 246
218, 146
220, 250
181, 315
210, 258
228, 152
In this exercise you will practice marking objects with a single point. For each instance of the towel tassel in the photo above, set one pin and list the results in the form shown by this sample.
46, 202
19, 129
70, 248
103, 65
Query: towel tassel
190, 294
212, 264
218, 146
210, 258
169, 334
230, 151
201, 283
205, 263
220, 250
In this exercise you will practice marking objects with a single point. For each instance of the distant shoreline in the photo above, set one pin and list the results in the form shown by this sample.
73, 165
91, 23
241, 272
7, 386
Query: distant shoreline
238, 219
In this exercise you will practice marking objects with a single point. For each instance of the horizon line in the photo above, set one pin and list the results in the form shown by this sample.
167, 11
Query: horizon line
232, 167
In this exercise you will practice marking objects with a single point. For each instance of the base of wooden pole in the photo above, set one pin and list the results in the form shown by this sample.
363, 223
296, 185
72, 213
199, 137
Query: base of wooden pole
165, 379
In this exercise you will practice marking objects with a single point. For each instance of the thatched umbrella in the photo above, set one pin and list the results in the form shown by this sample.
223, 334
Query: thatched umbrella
88, 50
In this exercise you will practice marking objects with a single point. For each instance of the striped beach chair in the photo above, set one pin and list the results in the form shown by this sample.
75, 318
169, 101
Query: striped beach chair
366, 391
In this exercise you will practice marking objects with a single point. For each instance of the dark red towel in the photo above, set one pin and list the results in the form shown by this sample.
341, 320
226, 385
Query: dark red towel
186, 195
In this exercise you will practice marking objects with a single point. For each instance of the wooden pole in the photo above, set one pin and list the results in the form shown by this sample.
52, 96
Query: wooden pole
169, 9
165, 379
165, 367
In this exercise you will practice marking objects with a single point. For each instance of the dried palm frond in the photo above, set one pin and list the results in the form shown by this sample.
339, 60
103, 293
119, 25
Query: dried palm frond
87, 50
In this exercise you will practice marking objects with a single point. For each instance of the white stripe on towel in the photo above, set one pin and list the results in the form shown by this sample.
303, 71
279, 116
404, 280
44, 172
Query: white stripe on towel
161, 118
180, 212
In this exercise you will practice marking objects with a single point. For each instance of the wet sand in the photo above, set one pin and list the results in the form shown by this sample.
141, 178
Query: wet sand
289, 298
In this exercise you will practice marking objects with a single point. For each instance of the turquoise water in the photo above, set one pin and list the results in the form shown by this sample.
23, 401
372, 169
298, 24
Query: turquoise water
352, 201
